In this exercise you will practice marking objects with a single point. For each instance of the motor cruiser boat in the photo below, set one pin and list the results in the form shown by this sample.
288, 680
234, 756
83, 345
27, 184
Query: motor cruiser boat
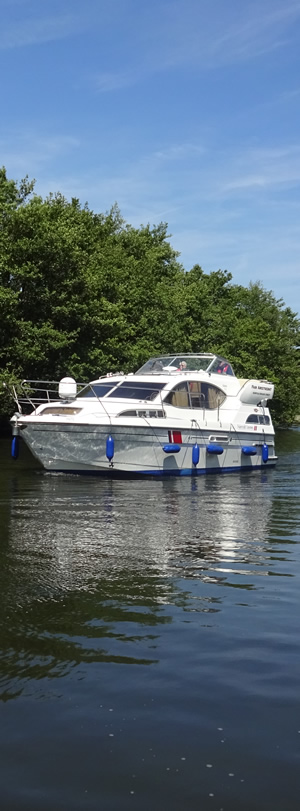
180, 414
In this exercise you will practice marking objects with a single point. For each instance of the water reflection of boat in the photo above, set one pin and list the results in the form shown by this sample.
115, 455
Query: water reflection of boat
78, 536
178, 415
99, 567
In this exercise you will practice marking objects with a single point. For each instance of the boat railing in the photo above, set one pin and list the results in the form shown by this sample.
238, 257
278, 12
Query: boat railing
30, 394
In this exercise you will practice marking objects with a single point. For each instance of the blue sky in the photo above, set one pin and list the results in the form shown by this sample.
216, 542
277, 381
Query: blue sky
185, 111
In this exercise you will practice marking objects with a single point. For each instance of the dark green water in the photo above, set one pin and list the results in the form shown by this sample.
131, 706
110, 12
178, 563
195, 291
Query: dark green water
149, 640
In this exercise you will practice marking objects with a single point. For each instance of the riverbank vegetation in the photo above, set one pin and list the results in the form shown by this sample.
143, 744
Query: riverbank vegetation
84, 293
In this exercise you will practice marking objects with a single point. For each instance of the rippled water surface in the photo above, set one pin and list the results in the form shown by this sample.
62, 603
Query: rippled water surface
149, 640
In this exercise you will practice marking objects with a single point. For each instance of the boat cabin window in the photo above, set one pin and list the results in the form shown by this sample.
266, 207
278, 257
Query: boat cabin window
195, 394
262, 419
60, 411
96, 389
132, 390
204, 395
179, 396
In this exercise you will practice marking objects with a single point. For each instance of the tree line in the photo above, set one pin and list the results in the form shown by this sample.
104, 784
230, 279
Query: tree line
83, 293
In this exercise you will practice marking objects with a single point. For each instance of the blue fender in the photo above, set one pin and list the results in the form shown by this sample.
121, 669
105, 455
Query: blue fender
15, 447
215, 449
195, 454
110, 448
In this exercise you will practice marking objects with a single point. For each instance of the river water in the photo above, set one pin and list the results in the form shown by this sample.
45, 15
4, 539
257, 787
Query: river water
149, 640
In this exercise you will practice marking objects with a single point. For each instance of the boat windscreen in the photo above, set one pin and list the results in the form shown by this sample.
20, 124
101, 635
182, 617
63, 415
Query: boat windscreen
137, 390
155, 365
180, 362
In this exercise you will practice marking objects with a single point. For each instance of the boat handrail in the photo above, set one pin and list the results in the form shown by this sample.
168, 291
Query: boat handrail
34, 393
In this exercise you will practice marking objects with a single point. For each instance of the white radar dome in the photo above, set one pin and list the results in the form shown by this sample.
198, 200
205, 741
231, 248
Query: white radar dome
67, 388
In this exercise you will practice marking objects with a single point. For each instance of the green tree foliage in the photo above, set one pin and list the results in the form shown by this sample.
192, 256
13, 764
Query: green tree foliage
250, 327
83, 293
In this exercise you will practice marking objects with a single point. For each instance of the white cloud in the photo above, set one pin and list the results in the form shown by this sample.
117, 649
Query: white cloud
34, 22
25, 154
256, 34
36, 31
107, 81
220, 205
273, 167
205, 34
177, 152
202, 35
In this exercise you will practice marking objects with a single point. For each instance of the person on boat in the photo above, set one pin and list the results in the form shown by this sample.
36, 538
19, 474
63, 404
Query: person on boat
224, 368
182, 366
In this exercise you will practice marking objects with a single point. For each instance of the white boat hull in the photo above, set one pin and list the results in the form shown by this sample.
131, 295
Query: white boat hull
75, 448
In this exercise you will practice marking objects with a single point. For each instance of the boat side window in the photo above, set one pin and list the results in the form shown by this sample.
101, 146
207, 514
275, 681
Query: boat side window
132, 413
204, 395
179, 396
195, 394
137, 390
252, 418
264, 420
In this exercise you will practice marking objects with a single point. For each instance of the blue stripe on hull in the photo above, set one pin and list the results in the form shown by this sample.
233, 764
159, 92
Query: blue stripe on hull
192, 472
